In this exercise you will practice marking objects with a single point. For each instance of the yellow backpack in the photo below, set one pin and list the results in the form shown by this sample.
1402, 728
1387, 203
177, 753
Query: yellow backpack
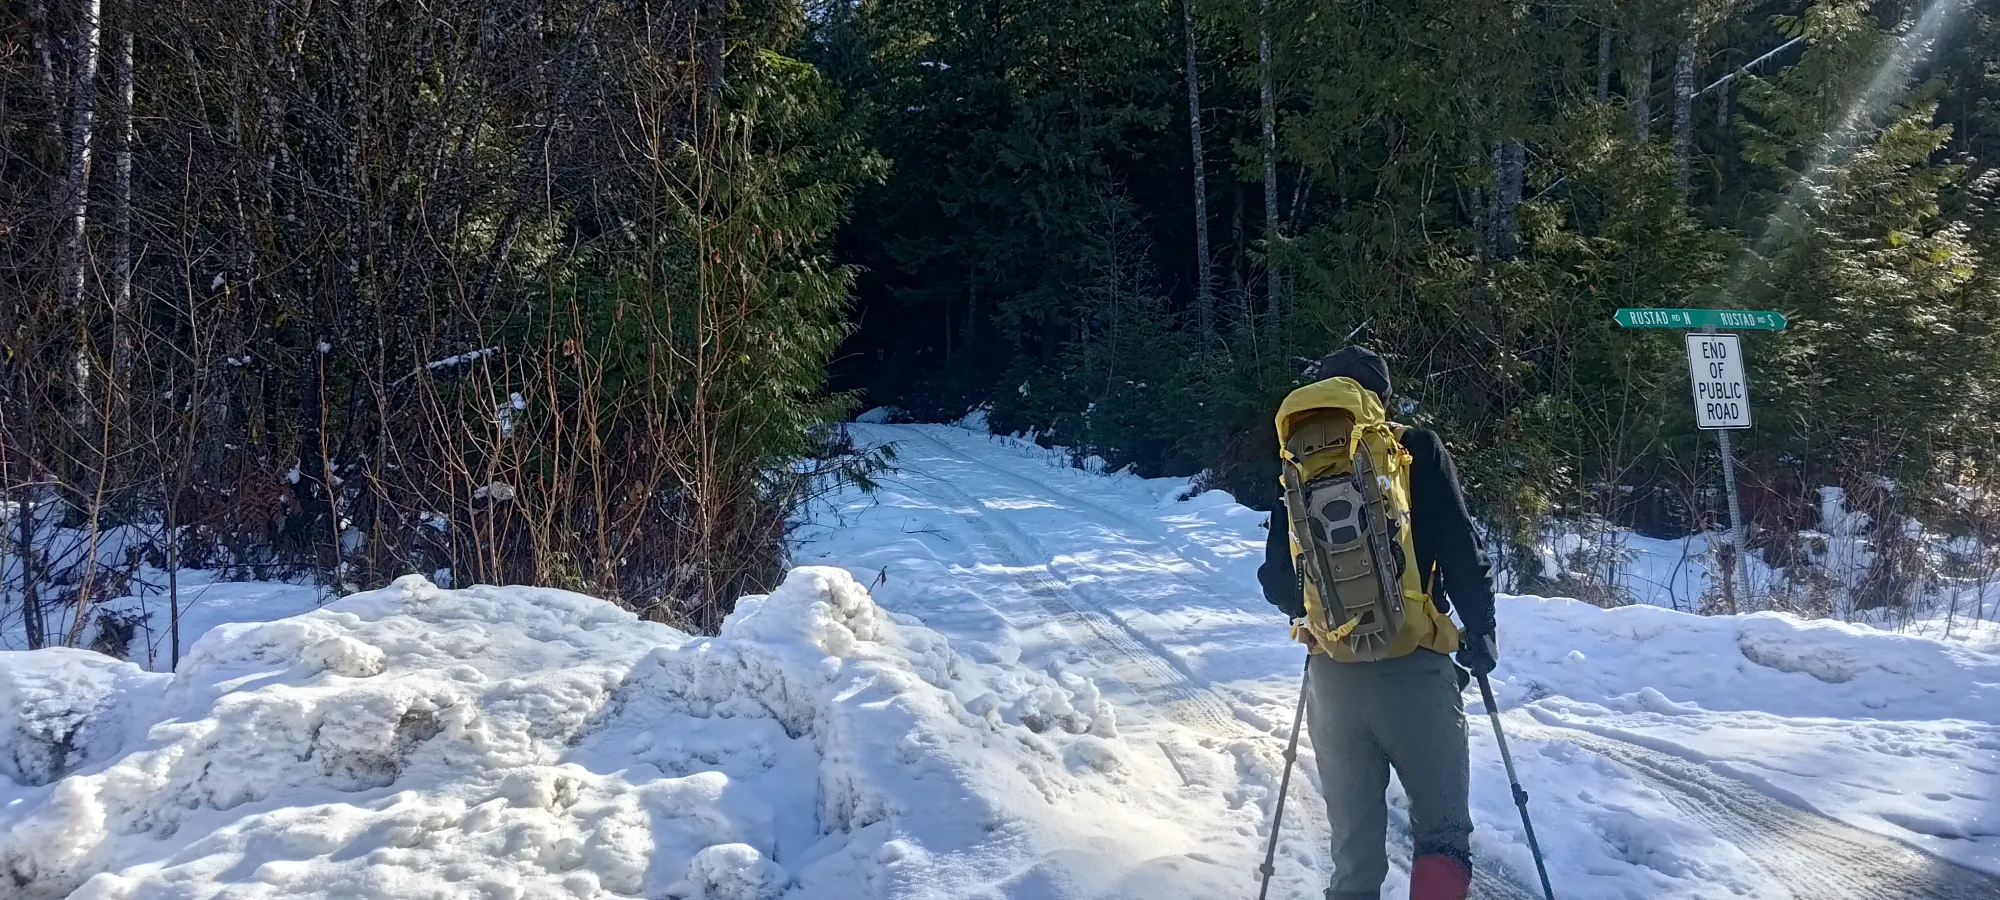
1347, 496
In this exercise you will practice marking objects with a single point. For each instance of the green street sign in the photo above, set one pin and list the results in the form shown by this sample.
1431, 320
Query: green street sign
1739, 319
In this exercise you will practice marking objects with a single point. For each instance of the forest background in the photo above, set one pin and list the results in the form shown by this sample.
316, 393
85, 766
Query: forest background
576, 293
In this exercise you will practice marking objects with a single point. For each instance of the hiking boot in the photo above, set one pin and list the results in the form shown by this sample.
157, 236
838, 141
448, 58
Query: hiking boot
1435, 876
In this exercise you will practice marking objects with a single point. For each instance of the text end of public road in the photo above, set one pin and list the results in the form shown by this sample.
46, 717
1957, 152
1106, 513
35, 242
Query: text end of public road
1721, 392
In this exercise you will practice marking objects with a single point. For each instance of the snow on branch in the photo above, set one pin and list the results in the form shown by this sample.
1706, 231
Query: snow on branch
470, 356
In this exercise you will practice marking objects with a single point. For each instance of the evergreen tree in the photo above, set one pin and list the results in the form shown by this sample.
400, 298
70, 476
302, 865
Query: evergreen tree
1473, 188
1894, 311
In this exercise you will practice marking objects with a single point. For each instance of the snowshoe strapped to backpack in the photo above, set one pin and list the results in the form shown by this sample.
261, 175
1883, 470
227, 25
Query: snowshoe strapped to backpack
1347, 496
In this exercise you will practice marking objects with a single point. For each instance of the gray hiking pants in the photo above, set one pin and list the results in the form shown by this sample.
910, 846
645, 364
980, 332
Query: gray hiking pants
1365, 718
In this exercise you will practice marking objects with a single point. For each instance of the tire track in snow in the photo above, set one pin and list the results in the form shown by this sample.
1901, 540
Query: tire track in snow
1817, 857
1169, 686
1818, 852
1160, 685
1135, 530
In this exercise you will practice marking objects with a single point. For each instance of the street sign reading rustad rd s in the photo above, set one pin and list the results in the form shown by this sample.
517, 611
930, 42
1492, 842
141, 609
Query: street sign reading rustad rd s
1754, 320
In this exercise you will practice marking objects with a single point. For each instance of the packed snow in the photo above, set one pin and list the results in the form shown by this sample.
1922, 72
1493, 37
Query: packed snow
997, 676
1895, 734
521, 742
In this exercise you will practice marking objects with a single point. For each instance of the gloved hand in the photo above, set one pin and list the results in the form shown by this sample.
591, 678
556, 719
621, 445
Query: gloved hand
1304, 635
1479, 653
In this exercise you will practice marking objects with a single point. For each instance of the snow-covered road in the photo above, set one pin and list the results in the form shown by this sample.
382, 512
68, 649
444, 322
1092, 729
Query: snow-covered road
997, 677
1000, 546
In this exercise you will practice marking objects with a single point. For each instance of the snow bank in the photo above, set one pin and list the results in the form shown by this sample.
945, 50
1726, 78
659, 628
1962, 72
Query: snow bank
206, 604
517, 742
1958, 597
520, 742
1892, 733
62, 708
1770, 662
206, 601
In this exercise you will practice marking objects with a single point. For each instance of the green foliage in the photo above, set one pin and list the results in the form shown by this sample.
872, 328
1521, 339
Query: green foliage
1896, 348
525, 291
1012, 134
705, 347
1453, 193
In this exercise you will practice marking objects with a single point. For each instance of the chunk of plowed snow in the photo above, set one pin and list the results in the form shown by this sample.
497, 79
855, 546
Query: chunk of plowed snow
64, 709
521, 742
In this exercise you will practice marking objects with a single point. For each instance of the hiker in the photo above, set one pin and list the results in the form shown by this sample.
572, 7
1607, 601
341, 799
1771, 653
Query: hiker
1382, 692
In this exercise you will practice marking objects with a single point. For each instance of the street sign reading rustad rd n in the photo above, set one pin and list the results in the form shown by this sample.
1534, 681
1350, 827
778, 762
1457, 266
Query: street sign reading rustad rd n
1754, 320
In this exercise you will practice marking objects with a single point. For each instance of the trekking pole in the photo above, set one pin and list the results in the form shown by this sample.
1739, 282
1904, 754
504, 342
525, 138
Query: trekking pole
1514, 781
1285, 783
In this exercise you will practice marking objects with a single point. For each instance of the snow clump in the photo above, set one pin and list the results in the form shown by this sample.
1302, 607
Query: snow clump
525, 742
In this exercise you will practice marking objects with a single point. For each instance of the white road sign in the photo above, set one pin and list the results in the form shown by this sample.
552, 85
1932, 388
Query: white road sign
1721, 394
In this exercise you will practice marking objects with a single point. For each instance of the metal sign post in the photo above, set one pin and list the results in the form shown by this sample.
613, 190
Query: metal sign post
1721, 404
1736, 560
1721, 394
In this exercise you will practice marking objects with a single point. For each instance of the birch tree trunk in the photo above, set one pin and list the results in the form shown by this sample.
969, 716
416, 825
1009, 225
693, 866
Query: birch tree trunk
1239, 278
1204, 295
1498, 166
1722, 113
121, 206
1273, 281
712, 48
38, 27
31, 581
1482, 214
1604, 64
1641, 89
1684, 107
1509, 159
75, 206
